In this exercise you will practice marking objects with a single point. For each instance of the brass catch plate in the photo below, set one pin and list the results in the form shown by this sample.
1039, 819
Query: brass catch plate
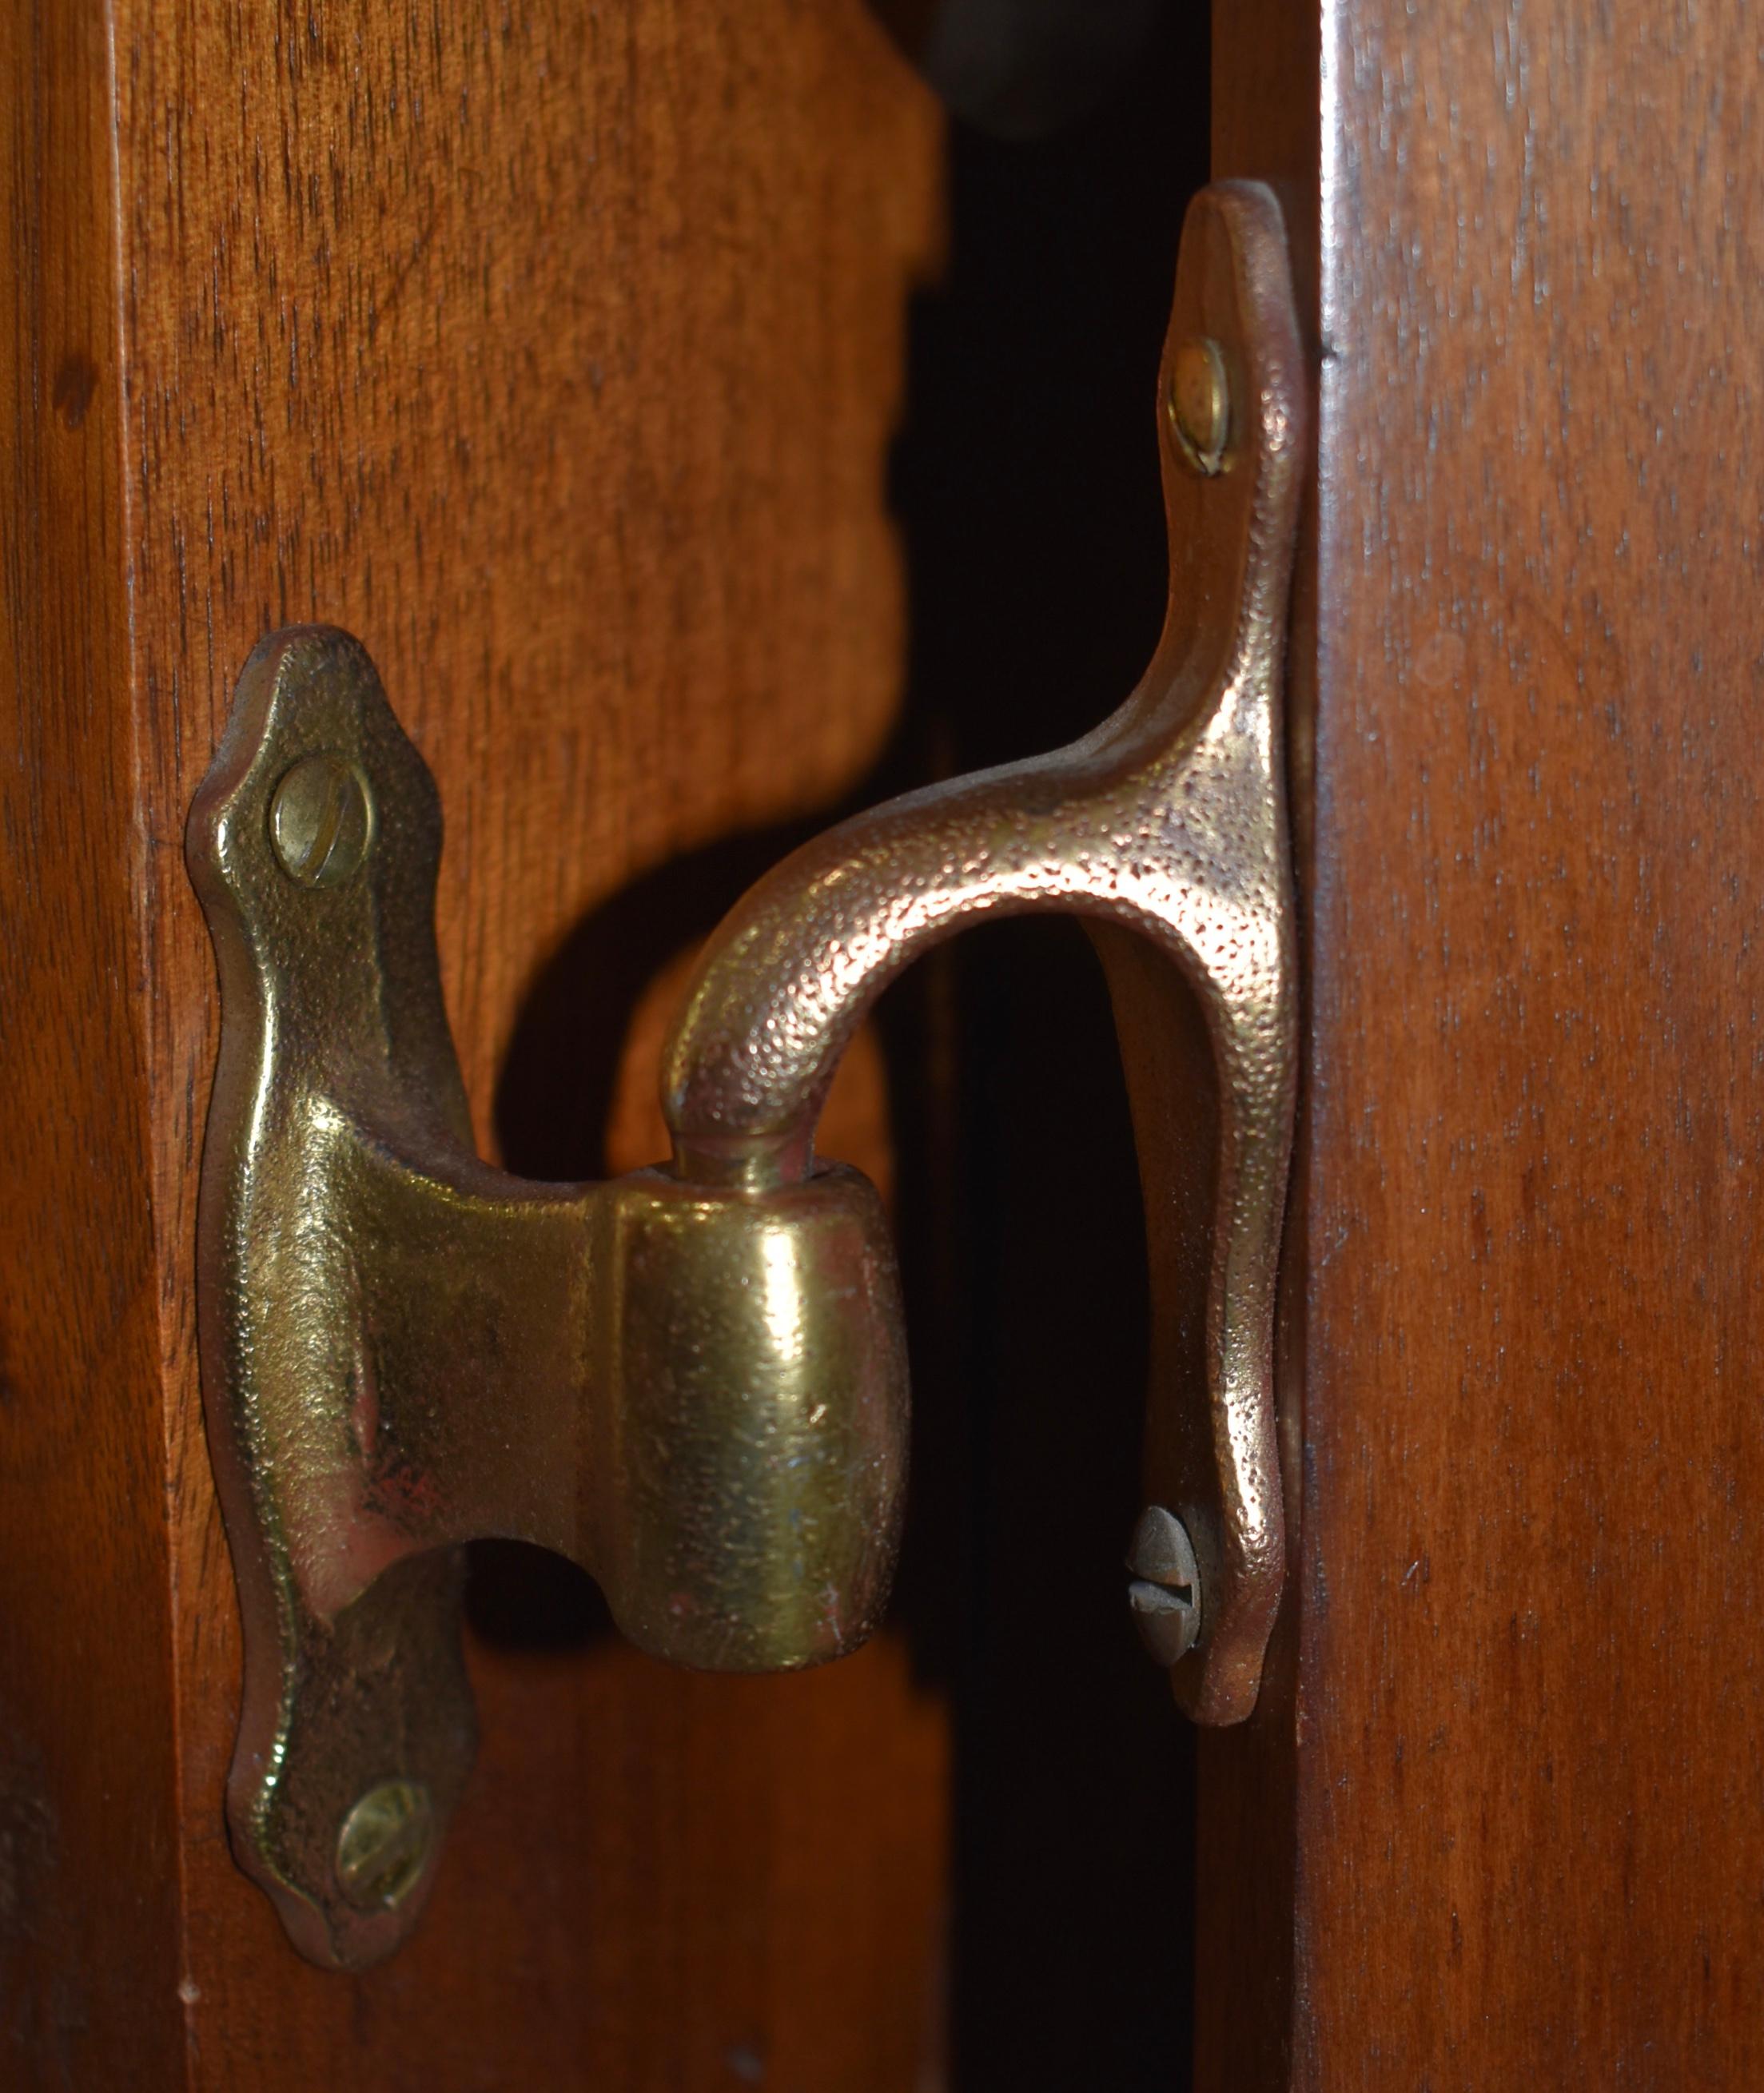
697, 1393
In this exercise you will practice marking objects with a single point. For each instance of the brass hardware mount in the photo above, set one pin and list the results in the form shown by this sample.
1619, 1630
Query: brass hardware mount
692, 1380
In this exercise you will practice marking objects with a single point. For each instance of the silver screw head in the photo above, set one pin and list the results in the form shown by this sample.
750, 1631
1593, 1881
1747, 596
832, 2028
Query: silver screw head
1200, 404
1165, 1591
321, 821
383, 1845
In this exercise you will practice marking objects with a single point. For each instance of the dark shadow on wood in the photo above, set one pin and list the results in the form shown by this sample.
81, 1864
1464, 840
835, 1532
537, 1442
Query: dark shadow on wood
1026, 484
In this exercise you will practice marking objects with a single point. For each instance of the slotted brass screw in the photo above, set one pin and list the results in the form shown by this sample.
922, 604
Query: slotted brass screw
1165, 1593
383, 1845
1200, 403
321, 821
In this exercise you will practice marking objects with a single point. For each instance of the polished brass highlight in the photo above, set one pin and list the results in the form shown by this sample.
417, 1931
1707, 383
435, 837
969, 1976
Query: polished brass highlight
692, 1381
1200, 404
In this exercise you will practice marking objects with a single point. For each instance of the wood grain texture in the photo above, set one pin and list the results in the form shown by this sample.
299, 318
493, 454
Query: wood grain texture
556, 350
1525, 1716
88, 1960
88, 1864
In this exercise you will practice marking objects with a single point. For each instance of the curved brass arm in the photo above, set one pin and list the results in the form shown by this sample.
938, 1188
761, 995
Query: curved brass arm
1167, 822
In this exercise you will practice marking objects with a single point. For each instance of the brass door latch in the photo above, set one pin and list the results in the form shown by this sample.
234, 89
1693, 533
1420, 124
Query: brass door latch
692, 1380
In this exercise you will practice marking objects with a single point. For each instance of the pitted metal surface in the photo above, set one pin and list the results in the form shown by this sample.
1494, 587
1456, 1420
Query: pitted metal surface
1167, 824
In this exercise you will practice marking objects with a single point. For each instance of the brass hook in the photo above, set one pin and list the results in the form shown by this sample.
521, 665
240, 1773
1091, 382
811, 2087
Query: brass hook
1165, 828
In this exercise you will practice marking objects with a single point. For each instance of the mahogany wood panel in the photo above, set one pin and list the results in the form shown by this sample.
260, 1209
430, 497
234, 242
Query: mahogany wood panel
555, 348
1522, 1716
88, 1936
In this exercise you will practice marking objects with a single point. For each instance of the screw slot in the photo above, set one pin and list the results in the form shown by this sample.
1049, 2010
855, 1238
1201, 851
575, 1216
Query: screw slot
1165, 1593
383, 1845
321, 821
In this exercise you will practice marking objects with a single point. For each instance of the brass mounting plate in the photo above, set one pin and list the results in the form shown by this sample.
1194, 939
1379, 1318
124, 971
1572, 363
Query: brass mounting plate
699, 1394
